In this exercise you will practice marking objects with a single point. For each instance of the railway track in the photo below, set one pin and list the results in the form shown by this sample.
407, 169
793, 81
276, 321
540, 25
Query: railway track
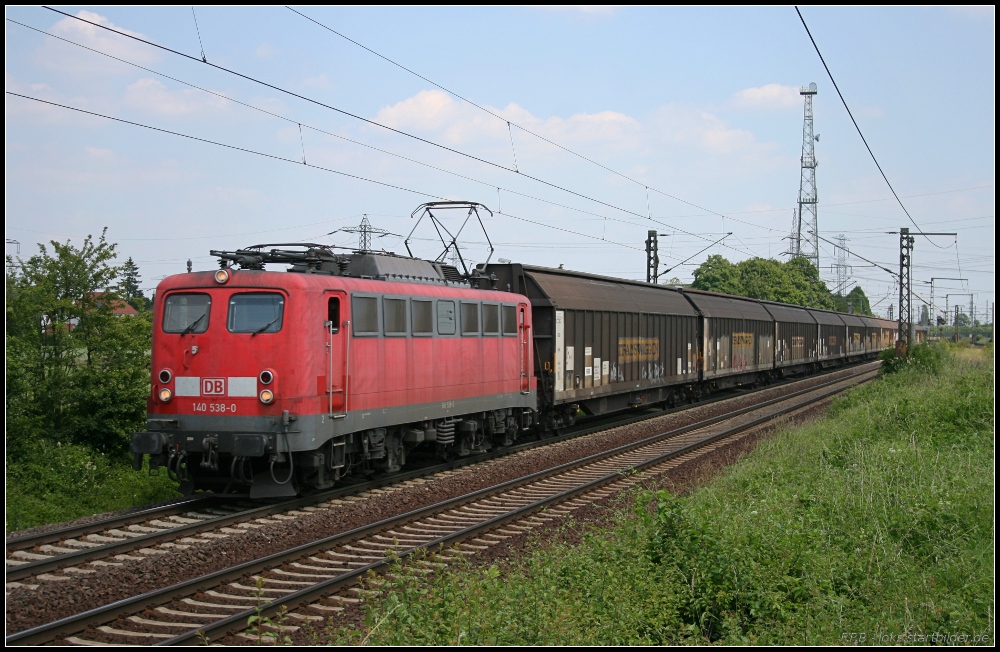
317, 579
65, 553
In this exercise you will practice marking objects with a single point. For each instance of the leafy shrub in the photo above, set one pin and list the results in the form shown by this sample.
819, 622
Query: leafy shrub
928, 357
55, 482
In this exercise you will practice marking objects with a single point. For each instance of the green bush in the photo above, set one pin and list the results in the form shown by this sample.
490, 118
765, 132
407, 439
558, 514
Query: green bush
55, 482
928, 357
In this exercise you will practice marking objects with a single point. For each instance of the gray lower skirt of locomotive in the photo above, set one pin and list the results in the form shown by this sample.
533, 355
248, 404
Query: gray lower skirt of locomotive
258, 436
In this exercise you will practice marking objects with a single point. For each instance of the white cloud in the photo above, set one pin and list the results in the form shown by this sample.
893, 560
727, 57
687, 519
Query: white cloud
319, 81
23, 111
151, 96
265, 51
674, 146
458, 122
67, 57
770, 97
100, 153
700, 128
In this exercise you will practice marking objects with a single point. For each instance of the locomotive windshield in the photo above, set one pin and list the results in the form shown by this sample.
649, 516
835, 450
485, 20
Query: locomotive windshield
256, 313
186, 313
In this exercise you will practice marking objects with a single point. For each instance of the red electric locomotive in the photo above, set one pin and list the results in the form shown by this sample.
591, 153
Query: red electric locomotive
278, 382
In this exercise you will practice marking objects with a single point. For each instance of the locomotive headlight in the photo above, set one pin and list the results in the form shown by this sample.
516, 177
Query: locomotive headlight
222, 276
165, 376
266, 396
266, 377
166, 395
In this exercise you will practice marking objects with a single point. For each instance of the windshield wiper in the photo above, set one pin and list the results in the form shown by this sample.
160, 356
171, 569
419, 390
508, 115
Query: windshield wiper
192, 325
265, 326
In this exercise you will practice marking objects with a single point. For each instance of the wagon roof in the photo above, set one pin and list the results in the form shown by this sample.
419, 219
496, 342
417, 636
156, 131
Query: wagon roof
853, 320
787, 313
826, 317
713, 304
579, 291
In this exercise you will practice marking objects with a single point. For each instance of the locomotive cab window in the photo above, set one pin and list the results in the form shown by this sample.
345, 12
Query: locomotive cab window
186, 313
510, 320
256, 313
333, 314
446, 317
491, 319
470, 318
422, 312
394, 312
365, 310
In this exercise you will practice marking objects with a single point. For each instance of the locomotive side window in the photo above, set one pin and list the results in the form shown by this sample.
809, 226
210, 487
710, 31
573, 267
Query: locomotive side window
333, 313
422, 317
491, 319
470, 318
256, 313
394, 311
186, 313
365, 310
509, 320
446, 317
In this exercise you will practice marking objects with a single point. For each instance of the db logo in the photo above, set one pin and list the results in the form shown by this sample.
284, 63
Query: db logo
213, 386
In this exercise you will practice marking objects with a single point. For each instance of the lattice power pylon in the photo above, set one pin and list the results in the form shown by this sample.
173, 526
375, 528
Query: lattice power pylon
805, 225
365, 231
842, 269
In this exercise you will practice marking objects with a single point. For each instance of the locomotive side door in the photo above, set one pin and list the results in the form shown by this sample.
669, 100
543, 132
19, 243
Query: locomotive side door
524, 335
337, 352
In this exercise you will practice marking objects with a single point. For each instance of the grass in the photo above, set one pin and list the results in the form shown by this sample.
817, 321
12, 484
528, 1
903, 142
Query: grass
873, 524
57, 483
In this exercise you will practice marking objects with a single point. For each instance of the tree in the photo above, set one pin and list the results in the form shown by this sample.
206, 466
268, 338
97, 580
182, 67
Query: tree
717, 274
796, 282
761, 278
858, 301
128, 287
76, 372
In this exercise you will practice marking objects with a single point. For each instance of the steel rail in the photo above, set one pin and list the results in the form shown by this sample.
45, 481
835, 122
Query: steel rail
33, 568
185, 504
78, 622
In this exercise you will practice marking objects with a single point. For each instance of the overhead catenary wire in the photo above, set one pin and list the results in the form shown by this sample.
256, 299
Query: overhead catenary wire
300, 125
857, 127
198, 31
288, 160
577, 154
226, 145
885, 269
355, 116
512, 123
595, 214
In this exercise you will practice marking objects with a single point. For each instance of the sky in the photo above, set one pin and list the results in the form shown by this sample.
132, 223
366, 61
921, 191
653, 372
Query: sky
580, 128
